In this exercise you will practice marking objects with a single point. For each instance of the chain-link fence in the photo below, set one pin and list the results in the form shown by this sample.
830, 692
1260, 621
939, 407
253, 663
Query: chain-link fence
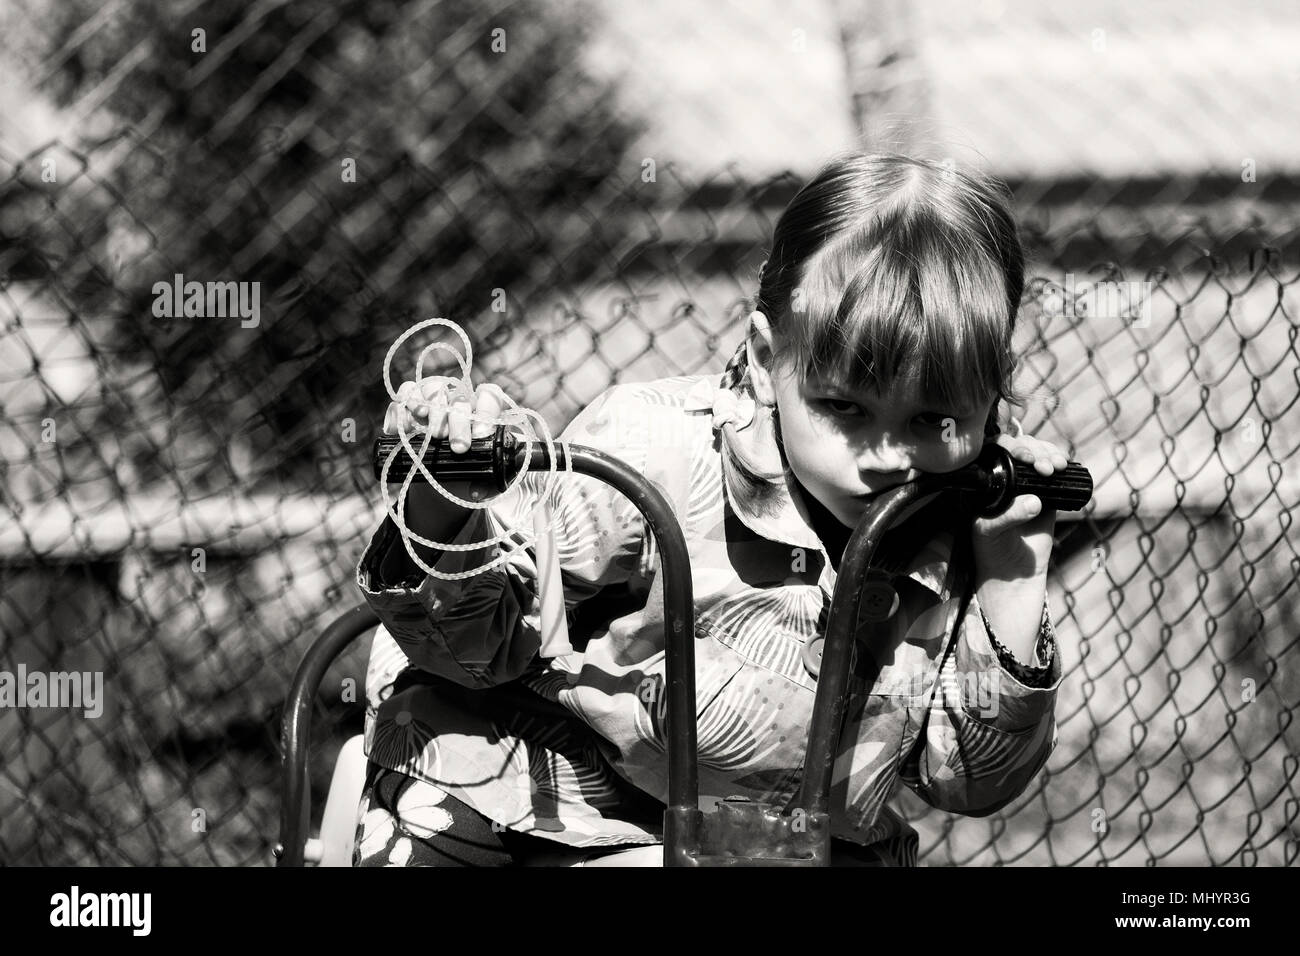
187, 488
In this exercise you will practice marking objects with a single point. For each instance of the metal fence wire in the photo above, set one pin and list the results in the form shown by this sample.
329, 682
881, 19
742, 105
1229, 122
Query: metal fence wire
185, 497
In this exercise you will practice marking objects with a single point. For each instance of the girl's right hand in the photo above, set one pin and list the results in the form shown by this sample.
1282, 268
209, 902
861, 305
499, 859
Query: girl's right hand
434, 405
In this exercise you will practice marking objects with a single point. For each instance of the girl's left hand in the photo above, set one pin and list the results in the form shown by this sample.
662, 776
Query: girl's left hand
1012, 552
1018, 542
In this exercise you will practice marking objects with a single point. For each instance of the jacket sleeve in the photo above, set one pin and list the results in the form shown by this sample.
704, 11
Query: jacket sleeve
484, 630
989, 723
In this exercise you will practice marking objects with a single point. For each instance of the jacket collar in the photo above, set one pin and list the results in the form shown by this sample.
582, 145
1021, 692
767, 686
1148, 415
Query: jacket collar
746, 430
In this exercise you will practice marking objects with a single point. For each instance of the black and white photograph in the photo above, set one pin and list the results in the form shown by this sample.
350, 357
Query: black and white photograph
597, 433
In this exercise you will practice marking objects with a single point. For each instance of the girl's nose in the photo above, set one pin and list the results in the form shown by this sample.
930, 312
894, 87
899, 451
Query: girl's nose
884, 458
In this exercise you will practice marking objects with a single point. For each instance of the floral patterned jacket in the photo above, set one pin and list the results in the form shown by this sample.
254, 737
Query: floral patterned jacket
570, 747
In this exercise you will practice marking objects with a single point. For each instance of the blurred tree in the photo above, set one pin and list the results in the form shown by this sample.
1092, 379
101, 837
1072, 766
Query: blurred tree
473, 133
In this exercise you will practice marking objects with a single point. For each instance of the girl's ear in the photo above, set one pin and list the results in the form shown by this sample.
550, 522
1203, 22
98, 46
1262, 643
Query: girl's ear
761, 358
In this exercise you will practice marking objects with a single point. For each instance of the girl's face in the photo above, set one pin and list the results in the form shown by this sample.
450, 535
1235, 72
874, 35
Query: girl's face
846, 444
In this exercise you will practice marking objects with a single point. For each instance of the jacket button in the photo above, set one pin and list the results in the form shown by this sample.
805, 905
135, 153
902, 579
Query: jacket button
812, 656
879, 600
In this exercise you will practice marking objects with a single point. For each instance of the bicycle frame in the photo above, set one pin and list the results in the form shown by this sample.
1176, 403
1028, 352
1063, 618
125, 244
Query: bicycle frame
735, 833
679, 618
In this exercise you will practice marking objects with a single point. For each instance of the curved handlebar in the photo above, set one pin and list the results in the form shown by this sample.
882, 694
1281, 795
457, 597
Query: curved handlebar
993, 480
989, 485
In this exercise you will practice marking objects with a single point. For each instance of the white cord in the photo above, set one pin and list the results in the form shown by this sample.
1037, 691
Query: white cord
515, 415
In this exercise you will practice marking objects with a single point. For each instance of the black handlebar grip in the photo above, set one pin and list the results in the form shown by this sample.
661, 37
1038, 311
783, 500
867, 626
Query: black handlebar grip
1006, 477
1067, 490
491, 458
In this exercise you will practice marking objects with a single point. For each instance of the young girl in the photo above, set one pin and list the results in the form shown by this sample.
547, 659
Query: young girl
879, 349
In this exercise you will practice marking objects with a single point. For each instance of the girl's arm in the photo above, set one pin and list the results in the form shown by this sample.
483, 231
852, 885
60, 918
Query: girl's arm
989, 727
1011, 553
974, 745
485, 630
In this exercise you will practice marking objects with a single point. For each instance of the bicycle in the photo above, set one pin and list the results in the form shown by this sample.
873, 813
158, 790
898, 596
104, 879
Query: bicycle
737, 832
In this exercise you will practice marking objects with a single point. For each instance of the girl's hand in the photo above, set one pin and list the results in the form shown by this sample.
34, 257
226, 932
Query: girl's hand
435, 405
1012, 553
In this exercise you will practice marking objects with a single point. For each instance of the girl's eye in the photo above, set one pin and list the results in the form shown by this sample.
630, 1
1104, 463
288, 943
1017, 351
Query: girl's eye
840, 406
935, 420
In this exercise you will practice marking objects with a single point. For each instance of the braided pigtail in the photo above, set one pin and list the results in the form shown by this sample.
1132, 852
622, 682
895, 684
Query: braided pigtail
737, 366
